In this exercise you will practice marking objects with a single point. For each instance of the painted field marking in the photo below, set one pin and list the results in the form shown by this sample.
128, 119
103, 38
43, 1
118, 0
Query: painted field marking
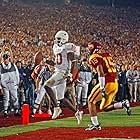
111, 139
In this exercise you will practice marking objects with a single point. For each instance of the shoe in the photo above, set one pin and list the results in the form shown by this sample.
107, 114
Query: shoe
134, 100
126, 106
49, 112
61, 114
93, 127
32, 115
79, 116
6, 115
17, 114
56, 113
34, 110
40, 112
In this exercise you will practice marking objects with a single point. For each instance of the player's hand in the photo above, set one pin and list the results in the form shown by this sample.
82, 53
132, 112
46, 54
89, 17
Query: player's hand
104, 95
67, 74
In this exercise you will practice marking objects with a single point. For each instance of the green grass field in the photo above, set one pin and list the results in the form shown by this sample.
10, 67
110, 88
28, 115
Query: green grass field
108, 119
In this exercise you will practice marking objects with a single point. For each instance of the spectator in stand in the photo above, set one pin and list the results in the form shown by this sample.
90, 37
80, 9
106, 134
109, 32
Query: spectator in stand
29, 85
94, 81
132, 76
138, 96
122, 80
84, 80
21, 88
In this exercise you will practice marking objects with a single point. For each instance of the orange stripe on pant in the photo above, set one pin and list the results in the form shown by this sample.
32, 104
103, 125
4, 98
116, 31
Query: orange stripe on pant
94, 94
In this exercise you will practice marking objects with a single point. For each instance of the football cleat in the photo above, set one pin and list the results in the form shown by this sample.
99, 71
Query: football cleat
49, 112
126, 106
93, 127
17, 114
57, 112
32, 115
40, 111
6, 115
79, 116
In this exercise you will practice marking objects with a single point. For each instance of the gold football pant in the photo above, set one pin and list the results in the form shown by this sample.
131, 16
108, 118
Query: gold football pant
110, 89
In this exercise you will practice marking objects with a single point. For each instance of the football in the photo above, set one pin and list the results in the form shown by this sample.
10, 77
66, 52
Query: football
38, 58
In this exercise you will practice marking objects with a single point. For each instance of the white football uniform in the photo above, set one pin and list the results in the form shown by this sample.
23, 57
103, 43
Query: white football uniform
61, 68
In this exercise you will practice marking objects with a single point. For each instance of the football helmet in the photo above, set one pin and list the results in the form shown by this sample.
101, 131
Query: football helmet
61, 37
94, 47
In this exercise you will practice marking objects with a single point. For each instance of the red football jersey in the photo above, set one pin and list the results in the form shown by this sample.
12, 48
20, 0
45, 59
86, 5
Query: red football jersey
36, 71
104, 59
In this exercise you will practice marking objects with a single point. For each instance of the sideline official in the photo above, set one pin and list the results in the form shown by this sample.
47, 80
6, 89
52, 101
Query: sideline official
9, 80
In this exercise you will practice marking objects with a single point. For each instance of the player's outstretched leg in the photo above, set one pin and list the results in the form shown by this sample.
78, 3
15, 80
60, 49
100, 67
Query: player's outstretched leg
57, 112
126, 106
79, 116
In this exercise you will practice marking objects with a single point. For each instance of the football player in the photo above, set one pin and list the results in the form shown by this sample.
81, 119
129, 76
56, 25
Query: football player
64, 55
107, 87
41, 74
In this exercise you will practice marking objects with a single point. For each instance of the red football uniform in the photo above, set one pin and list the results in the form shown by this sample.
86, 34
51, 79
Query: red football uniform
104, 59
111, 84
36, 71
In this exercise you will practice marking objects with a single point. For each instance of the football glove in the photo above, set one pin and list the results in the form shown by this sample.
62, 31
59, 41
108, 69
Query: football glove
104, 95
67, 74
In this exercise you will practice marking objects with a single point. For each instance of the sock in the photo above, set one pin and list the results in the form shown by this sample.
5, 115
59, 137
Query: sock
58, 104
16, 110
94, 120
40, 111
36, 106
118, 105
5, 111
34, 110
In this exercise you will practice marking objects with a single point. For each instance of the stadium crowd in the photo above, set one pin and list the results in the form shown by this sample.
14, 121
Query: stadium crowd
27, 29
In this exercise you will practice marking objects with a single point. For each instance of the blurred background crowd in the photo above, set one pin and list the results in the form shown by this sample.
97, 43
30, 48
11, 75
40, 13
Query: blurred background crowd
29, 28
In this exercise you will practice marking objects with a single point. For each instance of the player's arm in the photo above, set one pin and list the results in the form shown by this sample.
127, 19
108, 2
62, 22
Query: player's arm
38, 79
101, 78
72, 60
37, 84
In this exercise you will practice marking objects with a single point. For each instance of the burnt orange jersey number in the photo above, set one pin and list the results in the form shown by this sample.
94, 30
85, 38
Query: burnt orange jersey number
59, 59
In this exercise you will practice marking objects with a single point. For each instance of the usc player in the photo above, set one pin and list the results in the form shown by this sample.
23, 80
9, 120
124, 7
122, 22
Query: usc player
107, 87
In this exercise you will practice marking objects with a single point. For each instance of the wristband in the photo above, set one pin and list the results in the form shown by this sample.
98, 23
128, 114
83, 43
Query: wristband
102, 82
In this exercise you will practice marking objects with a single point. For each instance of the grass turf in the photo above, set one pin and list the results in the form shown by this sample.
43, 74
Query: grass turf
108, 119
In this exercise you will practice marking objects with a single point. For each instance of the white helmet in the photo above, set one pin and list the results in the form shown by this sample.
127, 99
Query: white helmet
61, 37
